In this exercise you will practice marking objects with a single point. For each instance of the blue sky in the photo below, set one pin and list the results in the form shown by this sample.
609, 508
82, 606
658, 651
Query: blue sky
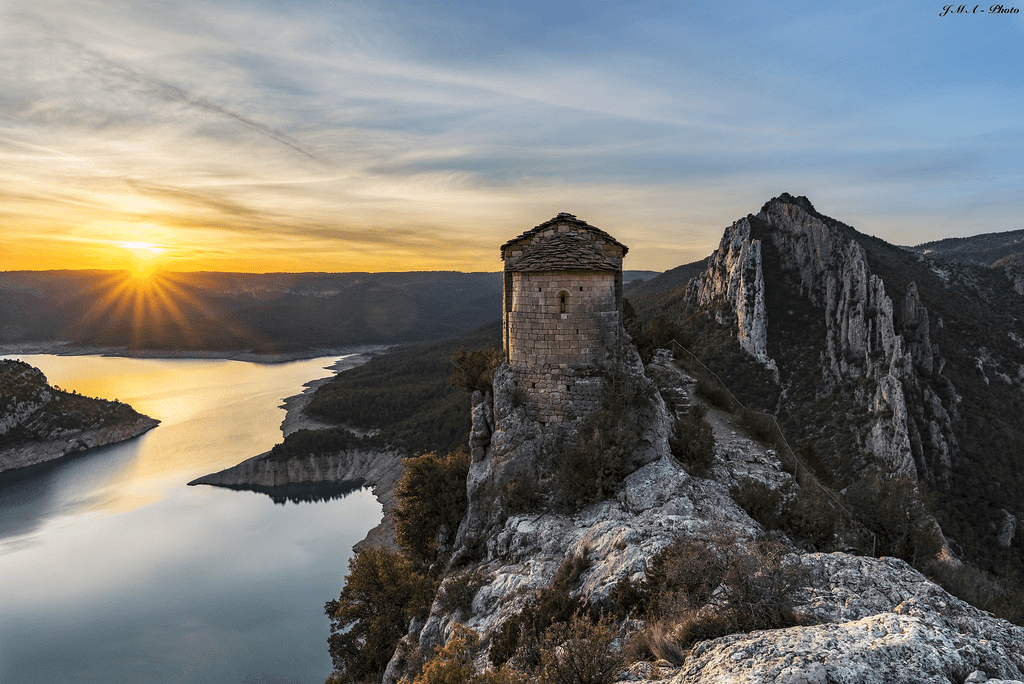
347, 136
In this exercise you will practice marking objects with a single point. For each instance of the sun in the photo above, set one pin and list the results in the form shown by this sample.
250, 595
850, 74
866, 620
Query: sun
145, 257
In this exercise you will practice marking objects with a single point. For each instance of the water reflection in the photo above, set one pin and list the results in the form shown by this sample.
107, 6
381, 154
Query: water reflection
82, 482
304, 492
113, 570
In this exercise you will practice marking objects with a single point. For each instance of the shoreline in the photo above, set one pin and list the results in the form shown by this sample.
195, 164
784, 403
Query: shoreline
57, 348
377, 469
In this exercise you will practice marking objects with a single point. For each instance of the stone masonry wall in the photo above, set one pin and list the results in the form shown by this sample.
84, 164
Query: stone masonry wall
561, 326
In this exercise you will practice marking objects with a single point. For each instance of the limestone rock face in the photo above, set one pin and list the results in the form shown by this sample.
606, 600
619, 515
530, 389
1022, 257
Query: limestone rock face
868, 338
901, 646
879, 621
352, 465
734, 274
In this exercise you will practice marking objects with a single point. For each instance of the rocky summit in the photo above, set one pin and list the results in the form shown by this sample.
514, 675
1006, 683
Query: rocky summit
878, 361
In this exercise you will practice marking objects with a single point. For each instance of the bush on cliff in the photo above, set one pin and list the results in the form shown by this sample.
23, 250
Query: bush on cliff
432, 500
581, 651
703, 589
473, 369
385, 588
693, 442
383, 592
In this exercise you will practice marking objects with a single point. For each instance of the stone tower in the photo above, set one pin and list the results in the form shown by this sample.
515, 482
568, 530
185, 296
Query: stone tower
562, 314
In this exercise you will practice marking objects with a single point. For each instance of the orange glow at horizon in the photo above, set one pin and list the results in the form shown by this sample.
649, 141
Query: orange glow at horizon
144, 259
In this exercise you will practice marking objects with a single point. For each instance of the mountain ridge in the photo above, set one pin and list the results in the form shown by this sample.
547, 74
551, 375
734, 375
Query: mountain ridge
912, 349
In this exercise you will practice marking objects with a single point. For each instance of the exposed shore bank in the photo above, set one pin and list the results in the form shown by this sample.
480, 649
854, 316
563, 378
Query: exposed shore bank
73, 442
59, 348
280, 478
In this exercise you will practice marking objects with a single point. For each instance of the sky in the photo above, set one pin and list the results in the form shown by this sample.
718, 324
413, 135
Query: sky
420, 135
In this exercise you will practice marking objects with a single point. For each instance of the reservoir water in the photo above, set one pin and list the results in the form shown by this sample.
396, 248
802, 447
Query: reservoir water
113, 571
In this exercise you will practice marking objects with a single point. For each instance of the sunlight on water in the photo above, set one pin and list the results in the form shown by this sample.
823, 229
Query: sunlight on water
113, 570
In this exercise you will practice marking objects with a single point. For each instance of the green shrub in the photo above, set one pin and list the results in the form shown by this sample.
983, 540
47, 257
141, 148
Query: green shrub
715, 393
382, 592
520, 494
892, 509
657, 641
456, 593
431, 496
761, 502
580, 651
813, 518
454, 663
629, 598
709, 588
473, 369
762, 427
693, 444
593, 468
1003, 598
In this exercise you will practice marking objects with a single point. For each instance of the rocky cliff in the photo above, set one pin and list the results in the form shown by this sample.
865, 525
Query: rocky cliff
864, 338
40, 423
878, 361
856, 619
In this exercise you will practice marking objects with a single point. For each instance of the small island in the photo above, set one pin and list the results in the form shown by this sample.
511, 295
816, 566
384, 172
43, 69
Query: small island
40, 423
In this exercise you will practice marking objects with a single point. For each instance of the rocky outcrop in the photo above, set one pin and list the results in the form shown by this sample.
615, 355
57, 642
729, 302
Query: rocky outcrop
349, 469
875, 620
860, 619
868, 339
734, 275
352, 465
39, 423
658, 504
509, 448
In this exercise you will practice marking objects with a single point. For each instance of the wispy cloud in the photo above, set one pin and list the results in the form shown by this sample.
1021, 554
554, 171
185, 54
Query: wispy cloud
351, 133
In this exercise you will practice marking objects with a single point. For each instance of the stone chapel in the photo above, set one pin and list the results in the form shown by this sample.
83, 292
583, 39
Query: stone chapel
562, 314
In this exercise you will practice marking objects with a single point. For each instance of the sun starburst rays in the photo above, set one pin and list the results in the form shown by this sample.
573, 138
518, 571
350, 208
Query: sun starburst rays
157, 308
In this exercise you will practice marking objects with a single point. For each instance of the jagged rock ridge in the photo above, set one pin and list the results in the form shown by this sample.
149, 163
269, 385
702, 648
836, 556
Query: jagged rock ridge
880, 359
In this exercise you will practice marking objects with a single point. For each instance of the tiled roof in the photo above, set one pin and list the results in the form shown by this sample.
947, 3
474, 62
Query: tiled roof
565, 252
568, 218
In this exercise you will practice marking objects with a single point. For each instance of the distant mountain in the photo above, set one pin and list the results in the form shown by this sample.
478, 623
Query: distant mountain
636, 278
671, 279
984, 250
880, 362
1000, 251
269, 313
